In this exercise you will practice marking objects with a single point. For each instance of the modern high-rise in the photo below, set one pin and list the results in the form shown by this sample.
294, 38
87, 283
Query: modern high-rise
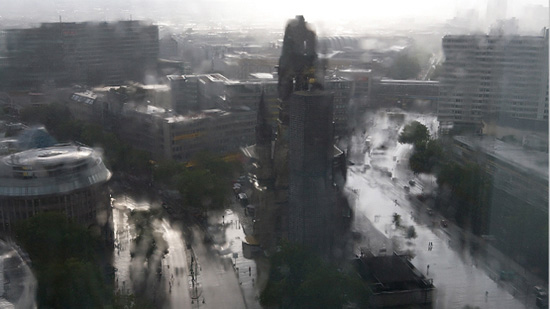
493, 77
312, 195
89, 52
301, 173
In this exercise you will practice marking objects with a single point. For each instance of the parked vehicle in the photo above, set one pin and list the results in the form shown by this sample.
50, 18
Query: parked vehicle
243, 198
540, 291
237, 188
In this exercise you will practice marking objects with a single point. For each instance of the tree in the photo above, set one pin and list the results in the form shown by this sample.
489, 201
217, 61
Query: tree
414, 133
299, 279
426, 157
396, 220
472, 187
65, 260
411, 232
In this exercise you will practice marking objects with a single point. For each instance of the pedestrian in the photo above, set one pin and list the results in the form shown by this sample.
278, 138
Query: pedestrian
249, 271
486, 295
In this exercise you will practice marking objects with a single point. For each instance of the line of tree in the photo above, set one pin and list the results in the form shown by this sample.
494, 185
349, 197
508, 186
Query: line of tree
467, 188
65, 261
69, 264
76, 281
202, 182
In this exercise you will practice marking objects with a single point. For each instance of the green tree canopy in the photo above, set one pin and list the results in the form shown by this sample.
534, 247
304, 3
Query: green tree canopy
472, 188
414, 133
426, 157
65, 261
204, 182
299, 279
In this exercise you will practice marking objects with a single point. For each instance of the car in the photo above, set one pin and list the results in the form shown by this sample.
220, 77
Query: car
539, 290
430, 211
444, 223
542, 301
407, 188
422, 197
412, 183
243, 198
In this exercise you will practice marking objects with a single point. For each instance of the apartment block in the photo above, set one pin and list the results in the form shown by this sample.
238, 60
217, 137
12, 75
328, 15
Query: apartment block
89, 52
493, 76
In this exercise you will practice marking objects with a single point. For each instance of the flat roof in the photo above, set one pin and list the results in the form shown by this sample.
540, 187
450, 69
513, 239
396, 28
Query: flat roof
51, 170
262, 75
409, 82
390, 269
530, 161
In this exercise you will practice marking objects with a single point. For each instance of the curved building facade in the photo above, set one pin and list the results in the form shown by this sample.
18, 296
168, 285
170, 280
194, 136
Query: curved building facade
63, 178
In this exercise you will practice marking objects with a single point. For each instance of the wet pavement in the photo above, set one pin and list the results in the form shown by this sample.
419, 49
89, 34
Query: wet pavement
17, 283
457, 276
194, 273
251, 273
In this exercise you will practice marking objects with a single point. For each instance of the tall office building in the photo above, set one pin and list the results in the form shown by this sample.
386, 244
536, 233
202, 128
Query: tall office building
91, 53
312, 195
301, 200
493, 76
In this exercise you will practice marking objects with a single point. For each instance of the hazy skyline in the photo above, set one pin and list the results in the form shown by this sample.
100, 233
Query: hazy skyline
323, 14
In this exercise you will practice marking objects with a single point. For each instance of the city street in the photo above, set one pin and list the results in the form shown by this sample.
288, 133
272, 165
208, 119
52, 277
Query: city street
234, 223
385, 188
216, 282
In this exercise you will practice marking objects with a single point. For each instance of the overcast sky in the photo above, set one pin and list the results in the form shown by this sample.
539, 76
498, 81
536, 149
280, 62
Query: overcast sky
317, 12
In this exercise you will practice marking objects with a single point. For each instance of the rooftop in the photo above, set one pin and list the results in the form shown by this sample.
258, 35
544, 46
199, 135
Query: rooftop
51, 170
262, 75
530, 161
391, 273
409, 82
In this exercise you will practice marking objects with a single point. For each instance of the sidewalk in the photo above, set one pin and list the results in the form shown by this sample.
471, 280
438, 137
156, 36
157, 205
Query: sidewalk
493, 261
251, 273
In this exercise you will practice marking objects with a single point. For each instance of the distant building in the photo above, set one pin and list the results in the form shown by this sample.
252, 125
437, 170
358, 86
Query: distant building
202, 91
493, 76
66, 179
418, 95
91, 53
341, 89
361, 85
166, 135
168, 48
240, 66
195, 92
